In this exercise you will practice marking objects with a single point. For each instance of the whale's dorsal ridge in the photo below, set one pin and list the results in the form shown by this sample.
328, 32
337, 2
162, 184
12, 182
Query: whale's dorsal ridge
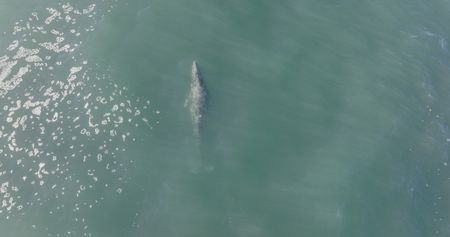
197, 97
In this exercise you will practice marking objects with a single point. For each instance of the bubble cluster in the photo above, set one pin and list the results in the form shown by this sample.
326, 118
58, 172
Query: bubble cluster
60, 114
429, 152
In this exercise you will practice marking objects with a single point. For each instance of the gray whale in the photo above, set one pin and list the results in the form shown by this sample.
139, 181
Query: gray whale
197, 98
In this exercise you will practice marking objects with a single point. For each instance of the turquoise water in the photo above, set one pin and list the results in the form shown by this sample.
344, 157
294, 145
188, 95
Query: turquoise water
323, 118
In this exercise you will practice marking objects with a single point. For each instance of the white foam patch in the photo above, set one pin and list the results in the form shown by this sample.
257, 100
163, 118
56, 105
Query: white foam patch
24, 52
55, 47
53, 15
3, 58
33, 59
6, 69
13, 45
74, 70
37, 111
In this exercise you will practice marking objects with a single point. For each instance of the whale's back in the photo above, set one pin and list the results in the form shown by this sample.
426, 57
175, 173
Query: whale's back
197, 97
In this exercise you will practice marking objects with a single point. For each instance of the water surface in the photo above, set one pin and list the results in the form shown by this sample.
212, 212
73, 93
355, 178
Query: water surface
323, 118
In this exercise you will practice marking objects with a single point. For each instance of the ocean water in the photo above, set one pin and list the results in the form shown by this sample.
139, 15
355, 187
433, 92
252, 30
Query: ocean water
323, 118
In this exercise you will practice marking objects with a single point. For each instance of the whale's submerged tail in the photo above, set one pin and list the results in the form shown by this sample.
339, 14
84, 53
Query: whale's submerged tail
197, 97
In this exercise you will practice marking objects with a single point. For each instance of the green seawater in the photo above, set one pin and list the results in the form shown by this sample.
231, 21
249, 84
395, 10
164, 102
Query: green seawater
323, 118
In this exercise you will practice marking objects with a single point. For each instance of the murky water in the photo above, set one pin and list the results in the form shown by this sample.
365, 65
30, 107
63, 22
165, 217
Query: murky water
322, 118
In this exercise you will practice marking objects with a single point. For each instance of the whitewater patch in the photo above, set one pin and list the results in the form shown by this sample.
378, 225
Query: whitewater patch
64, 123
